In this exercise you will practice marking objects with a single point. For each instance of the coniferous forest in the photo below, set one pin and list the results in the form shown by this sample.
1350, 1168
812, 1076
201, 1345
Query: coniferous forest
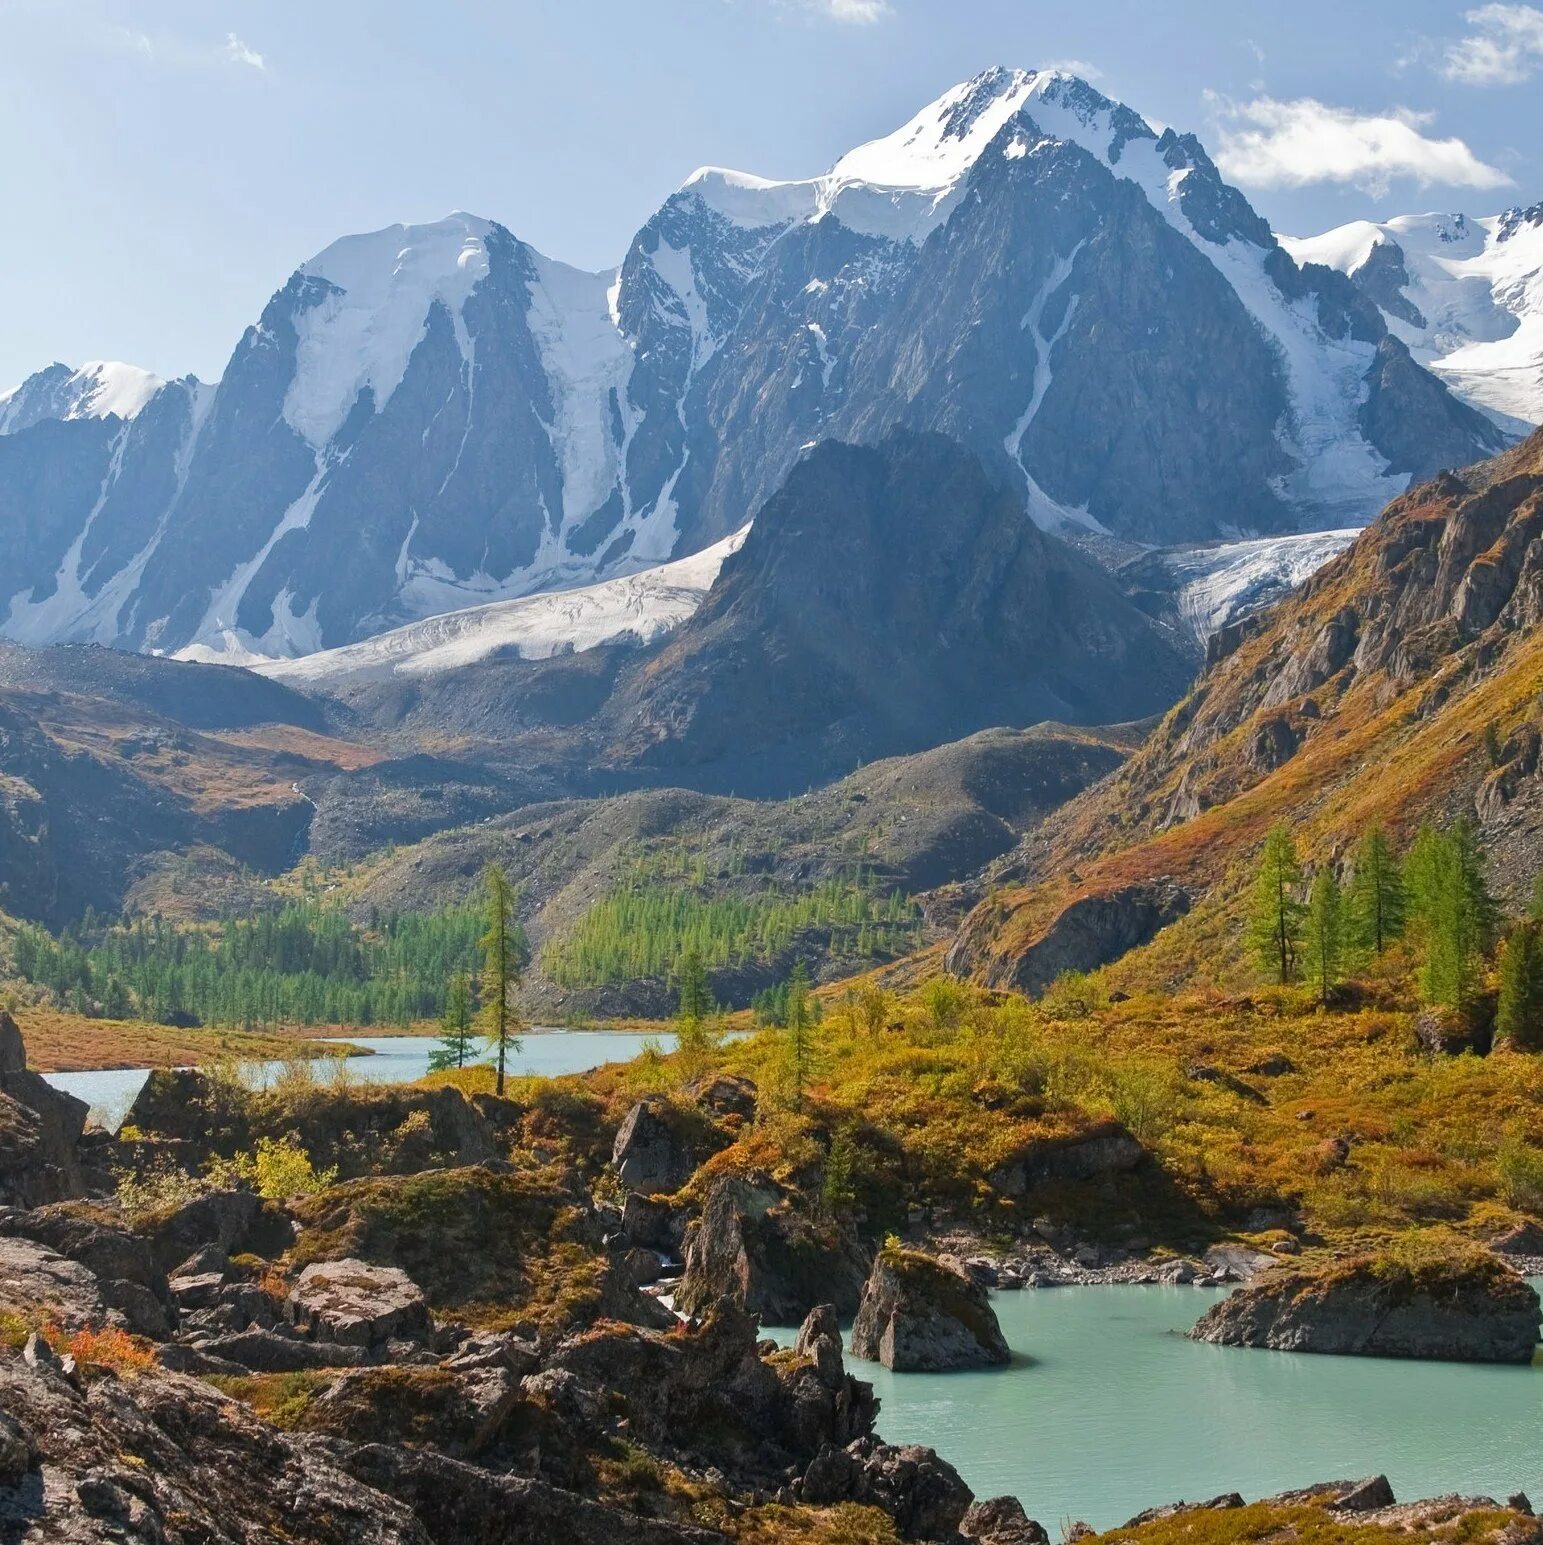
306, 963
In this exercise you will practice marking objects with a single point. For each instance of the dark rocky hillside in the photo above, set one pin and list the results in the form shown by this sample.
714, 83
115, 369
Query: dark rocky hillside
886, 600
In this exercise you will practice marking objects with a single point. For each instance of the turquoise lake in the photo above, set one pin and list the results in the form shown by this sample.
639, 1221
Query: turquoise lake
1107, 1410
394, 1059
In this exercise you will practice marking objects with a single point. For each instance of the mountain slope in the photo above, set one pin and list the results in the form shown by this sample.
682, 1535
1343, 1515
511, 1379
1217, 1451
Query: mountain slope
885, 600
1465, 295
432, 417
1376, 691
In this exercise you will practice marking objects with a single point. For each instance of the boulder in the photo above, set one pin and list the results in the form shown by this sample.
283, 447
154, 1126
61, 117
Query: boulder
1449, 1033
1363, 1496
355, 1304
37, 1283
1106, 1149
826, 1404
1001, 1521
164, 1458
462, 1503
921, 1492
224, 1219
755, 1248
40, 1129
1525, 1239
649, 1155
724, 1094
651, 1224
919, 1315
269, 1351
1468, 1308
127, 1277
458, 1412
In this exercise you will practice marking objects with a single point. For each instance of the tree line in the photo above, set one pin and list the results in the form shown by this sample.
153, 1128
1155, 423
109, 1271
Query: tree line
306, 963
1433, 899
647, 926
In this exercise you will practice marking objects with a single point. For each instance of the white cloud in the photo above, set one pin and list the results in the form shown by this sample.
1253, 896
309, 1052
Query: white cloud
1268, 143
861, 13
239, 52
1504, 48
1079, 67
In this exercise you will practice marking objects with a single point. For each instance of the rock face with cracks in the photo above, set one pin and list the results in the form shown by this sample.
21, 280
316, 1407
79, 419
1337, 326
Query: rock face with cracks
1473, 1309
921, 1315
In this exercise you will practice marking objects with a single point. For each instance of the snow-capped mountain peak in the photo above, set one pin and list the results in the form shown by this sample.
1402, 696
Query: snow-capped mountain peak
98, 389
433, 416
1465, 295
379, 289
944, 140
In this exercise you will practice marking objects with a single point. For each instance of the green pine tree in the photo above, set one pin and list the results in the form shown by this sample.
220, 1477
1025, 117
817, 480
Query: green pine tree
694, 996
1325, 933
1375, 897
798, 1033
501, 969
1519, 1014
1455, 910
1275, 914
456, 1037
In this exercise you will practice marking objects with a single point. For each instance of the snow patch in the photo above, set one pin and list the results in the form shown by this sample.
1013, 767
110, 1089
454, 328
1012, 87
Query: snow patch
98, 389
643, 606
1478, 284
1218, 585
364, 331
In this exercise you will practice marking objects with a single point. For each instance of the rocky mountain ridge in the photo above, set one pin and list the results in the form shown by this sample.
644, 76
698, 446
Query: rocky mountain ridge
435, 416
1399, 683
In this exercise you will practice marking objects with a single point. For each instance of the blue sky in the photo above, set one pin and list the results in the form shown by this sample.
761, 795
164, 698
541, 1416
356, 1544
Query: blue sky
169, 163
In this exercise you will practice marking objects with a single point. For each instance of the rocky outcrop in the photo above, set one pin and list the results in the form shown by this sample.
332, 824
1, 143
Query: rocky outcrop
1089, 932
754, 1247
919, 1315
40, 1129
1104, 1150
1468, 1309
164, 1458
128, 1279
391, 1129
1002, 1521
525, 1239
649, 1154
355, 1304
920, 1491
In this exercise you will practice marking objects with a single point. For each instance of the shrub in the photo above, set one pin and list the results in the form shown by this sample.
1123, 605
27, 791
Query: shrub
1520, 1168
280, 1168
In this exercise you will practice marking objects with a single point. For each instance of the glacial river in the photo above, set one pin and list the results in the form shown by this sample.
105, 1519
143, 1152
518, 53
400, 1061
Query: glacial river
1107, 1409
396, 1059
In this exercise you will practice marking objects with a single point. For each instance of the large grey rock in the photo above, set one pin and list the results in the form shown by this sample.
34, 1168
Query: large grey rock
1002, 1521
37, 1283
649, 1154
353, 1303
40, 1129
161, 1458
1471, 1310
919, 1315
753, 1247
267, 1351
921, 1491
1108, 1149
